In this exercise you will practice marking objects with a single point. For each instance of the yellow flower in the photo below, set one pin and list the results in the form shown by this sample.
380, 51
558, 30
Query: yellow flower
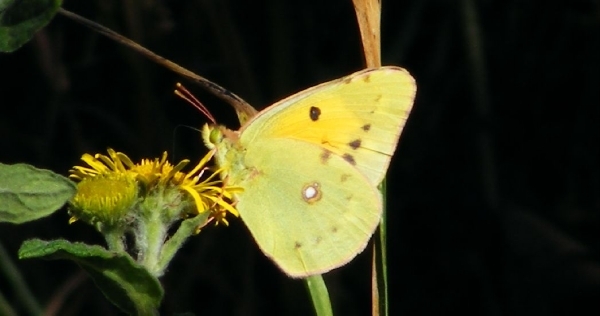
209, 194
101, 164
151, 176
105, 198
149, 171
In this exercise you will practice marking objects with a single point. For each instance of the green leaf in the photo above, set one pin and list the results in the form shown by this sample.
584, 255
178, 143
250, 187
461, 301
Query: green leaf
28, 193
125, 283
20, 19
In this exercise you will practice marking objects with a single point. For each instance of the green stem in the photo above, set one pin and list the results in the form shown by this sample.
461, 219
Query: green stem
381, 259
14, 277
185, 230
155, 237
5, 308
114, 240
319, 295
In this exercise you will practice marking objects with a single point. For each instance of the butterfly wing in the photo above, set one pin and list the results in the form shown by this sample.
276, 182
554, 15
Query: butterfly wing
308, 213
309, 165
358, 117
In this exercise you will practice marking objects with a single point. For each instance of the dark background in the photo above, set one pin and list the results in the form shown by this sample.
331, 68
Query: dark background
493, 191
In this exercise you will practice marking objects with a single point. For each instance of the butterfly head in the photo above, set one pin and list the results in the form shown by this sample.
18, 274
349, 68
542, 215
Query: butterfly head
224, 143
214, 135
211, 136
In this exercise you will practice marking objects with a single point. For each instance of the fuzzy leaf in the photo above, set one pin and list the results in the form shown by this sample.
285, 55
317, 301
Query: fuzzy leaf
125, 283
28, 193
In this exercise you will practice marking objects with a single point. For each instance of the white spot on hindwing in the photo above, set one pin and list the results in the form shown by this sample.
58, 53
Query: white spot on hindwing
311, 192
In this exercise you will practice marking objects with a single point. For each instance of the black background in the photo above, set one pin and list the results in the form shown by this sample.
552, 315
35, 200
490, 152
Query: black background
493, 191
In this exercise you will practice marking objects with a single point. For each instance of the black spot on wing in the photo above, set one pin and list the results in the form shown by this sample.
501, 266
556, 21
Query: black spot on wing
366, 127
325, 155
314, 113
349, 158
355, 144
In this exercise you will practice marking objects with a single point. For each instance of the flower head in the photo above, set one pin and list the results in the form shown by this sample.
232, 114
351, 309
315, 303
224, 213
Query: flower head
105, 198
140, 202
110, 186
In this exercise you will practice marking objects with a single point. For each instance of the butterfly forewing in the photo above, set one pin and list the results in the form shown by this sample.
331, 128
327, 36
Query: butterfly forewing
358, 117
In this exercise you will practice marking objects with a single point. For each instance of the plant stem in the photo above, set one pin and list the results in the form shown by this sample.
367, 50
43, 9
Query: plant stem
319, 295
14, 277
155, 237
114, 240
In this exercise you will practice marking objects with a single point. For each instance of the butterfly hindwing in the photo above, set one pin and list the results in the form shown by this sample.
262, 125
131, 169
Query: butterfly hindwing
307, 213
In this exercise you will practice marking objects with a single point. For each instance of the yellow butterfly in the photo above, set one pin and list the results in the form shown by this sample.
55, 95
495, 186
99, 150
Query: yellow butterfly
310, 165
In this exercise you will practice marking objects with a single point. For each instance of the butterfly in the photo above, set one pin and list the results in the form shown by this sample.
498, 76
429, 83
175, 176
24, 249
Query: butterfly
310, 164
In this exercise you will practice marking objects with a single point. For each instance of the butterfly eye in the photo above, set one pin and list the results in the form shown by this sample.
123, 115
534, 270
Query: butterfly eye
215, 136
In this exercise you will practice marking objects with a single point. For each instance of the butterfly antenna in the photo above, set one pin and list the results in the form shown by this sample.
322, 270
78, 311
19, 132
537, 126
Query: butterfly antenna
183, 93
